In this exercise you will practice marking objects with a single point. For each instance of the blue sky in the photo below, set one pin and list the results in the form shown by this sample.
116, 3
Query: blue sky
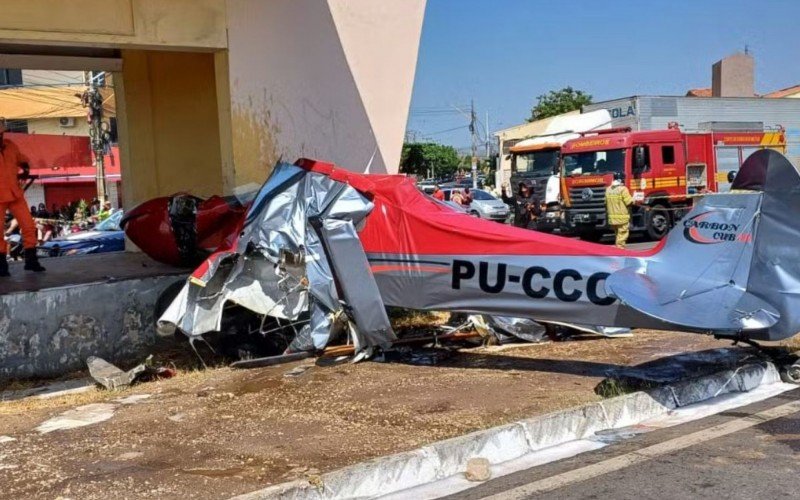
504, 53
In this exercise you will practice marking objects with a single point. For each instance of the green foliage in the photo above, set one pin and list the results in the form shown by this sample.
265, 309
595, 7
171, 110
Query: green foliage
557, 102
423, 158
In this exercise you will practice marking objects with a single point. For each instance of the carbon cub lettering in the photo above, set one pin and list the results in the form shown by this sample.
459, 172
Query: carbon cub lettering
537, 282
698, 230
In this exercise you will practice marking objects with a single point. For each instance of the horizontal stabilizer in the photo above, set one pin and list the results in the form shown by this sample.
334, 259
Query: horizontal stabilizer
734, 309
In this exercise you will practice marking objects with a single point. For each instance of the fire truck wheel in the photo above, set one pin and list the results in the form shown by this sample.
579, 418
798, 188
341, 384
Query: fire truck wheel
658, 222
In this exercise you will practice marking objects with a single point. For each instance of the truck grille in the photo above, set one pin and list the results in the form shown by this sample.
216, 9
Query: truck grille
581, 201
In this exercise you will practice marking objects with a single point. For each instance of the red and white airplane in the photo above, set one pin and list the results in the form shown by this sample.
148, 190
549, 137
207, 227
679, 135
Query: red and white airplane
323, 243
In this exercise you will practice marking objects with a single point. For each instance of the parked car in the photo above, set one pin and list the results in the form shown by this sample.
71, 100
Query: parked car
484, 205
106, 236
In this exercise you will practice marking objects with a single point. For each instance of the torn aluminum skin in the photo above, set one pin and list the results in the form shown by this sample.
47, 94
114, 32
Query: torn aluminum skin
281, 266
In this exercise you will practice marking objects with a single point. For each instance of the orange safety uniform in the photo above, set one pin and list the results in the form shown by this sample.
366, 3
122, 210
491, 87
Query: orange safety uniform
12, 197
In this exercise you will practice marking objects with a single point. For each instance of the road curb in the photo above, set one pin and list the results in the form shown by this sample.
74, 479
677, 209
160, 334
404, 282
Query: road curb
442, 459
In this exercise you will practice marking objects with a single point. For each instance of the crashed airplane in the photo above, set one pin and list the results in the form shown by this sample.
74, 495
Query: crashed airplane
326, 250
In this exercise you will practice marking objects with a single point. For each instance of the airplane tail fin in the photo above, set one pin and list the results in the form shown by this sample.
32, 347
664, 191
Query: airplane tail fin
730, 266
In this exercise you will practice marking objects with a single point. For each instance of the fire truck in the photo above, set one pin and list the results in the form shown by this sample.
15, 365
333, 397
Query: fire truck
538, 159
663, 169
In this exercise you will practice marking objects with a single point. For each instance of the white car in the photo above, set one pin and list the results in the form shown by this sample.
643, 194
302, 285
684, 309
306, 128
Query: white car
484, 205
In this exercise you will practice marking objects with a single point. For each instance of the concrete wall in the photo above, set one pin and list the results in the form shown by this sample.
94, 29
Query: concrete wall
110, 23
212, 92
168, 124
325, 79
51, 332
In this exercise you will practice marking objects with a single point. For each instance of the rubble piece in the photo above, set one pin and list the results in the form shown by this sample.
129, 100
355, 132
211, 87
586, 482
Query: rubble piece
110, 376
113, 378
133, 399
78, 417
270, 360
297, 371
416, 356
506, 329
6, 439
478, 469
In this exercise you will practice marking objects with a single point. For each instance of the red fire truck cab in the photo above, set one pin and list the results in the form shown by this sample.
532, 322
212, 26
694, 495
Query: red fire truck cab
663, 169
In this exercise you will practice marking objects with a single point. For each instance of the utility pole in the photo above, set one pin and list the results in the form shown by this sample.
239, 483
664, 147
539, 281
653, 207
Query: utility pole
474, 132
99, 134
486, 130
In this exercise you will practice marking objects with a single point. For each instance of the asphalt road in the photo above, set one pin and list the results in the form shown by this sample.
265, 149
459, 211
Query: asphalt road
749, 452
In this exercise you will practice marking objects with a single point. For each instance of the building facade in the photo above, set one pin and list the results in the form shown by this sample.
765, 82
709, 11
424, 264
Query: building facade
695, 113
210, 93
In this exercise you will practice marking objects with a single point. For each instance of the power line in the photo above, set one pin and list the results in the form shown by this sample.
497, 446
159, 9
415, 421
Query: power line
447, 130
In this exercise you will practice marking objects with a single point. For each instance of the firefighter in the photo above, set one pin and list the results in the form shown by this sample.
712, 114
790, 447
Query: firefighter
526, 205
618, 202
12, 199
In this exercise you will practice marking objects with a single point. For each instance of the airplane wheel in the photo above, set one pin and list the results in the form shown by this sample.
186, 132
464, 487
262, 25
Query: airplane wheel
791, 374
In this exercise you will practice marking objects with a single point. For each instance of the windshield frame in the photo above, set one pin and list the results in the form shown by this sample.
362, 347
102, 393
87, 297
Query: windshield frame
609, 168
535, 172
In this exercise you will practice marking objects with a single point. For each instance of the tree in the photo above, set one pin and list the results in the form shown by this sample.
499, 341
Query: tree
557, 102
428, 158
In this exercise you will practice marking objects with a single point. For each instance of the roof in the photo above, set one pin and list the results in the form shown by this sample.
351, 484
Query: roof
529, 129
701, 92
25, 103
787, 92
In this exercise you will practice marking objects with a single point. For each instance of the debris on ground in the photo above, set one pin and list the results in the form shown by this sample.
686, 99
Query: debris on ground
478, 469
113, 378
297, 371
506, 330
329, 417
79, 417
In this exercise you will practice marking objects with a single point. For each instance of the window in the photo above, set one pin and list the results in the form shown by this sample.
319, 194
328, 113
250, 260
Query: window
10, 77
668, 155
98, 77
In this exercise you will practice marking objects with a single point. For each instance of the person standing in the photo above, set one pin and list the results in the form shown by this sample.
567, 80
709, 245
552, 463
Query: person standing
438, 194
12, 198
618, 203
456, 197
466, 198
526, 205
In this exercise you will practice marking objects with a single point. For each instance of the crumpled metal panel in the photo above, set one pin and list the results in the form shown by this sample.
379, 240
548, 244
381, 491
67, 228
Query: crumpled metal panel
280, 266
358, 286
775, 268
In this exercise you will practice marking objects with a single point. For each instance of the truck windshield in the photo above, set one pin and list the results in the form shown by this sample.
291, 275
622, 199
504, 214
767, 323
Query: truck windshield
536, 162
595, 162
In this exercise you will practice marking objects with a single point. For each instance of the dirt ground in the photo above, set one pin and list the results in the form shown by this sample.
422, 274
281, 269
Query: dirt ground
222, 432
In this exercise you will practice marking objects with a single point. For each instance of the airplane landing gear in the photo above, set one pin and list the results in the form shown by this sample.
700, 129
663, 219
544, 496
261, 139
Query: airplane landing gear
788, 364
791, 373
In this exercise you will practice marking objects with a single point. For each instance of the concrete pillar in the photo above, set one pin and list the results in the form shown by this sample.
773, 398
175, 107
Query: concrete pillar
169, 125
